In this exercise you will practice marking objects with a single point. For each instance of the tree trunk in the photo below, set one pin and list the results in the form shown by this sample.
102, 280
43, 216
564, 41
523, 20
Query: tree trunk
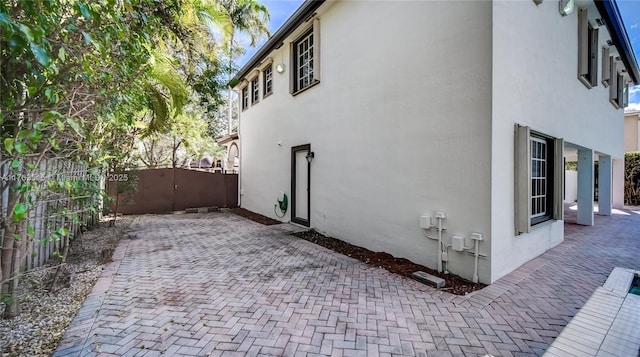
229, 115
12, 305
115, 212
7, 252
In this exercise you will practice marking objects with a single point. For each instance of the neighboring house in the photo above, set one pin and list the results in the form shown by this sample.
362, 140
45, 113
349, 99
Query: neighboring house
203, 163
371, 115
632, 130
231, 163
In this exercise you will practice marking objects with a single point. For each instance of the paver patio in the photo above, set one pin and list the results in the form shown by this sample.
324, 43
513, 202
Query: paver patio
218, 284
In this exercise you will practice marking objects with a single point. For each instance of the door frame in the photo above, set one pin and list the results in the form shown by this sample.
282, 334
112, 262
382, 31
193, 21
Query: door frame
294, 219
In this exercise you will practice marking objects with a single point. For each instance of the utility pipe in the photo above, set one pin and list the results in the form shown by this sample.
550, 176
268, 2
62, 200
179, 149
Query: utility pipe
475, 263
439, 245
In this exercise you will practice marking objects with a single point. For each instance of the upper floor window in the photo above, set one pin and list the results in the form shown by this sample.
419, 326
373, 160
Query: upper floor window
617, 89
587, 51
305, 59
267, 81
245, 98
255, 91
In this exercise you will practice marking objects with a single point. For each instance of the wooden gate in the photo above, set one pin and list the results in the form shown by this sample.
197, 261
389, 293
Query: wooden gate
167, 190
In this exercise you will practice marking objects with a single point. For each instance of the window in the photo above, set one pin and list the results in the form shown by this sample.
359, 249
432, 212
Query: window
255, 91
587, 51
305, 59
538, 180
617, 88
541, 190
617, 91
245, 98
267, 81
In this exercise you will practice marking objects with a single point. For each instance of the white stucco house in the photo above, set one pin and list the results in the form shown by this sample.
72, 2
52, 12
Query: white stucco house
436, 130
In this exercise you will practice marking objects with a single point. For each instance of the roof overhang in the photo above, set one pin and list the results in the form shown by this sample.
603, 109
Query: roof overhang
275, 41
227, 138
611, 16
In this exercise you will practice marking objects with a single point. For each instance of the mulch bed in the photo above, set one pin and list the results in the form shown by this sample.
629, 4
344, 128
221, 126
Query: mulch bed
254, 216
454, 284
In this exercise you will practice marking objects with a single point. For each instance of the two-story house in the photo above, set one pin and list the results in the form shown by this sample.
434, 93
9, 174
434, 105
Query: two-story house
436, 130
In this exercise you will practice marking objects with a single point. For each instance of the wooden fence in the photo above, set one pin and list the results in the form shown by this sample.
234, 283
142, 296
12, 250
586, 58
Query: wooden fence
167, 190
52, 209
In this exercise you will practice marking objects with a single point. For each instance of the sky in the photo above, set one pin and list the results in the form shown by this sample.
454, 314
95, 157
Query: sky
280, 10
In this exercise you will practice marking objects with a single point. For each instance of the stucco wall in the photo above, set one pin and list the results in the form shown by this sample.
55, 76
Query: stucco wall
400, 125
535, 83
631, 132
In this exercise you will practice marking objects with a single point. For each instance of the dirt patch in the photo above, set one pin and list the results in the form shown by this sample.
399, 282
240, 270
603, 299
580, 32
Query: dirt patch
454, 284
254, 216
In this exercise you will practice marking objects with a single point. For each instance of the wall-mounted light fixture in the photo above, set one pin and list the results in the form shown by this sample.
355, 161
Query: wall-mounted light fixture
567, 7
537, 2
280, 68
310, 156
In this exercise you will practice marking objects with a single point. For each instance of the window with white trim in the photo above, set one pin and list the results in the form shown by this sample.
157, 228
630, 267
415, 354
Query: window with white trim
587, 51
305, 68
304, 61
255, 91
267, 81
539, 179
541, 189
245, 98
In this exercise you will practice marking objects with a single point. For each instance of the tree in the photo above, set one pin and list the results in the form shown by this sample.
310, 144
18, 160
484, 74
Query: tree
186, 138
248, 17
77, 79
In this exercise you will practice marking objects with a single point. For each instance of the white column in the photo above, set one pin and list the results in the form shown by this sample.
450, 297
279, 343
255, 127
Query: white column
618, 183
605, 188
585, 187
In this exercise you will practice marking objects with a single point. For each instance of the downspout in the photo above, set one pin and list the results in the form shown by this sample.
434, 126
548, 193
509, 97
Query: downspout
239, 157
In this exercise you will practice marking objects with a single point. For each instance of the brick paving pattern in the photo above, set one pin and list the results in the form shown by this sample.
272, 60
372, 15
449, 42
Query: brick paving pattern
219, 285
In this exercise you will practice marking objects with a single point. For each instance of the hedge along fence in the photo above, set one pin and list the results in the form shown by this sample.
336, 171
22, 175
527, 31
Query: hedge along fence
60, 200
55, 207
632, 178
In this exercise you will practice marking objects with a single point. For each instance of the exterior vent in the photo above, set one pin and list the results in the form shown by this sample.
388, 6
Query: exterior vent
600, 22
609, 43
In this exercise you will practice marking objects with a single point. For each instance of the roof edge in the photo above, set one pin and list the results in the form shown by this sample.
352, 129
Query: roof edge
611, 15
301, 14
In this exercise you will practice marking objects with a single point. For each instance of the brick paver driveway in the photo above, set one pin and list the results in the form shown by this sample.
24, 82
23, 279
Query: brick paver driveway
217, 284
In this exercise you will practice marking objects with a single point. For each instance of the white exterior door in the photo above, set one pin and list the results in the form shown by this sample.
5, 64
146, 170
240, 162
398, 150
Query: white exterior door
300, 184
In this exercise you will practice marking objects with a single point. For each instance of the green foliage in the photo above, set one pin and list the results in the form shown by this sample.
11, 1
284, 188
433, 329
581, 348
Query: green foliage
571, 166
632, 178
82, 80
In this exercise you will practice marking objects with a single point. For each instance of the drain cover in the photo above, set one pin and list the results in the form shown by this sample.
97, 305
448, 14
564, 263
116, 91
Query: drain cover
428, 279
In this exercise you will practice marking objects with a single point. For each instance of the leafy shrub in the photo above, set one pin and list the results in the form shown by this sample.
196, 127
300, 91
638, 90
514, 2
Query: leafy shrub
632, 178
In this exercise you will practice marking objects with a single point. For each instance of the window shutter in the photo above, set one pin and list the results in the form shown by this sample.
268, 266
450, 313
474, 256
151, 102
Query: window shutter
613, 85
620, 95
593, 49
522, 178
583, 44
558, 179
625, 96
606, 63
316, 49
292, 68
